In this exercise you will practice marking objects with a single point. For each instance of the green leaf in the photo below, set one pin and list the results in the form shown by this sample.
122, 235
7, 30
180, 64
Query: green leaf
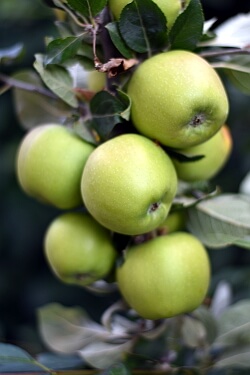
117, 369
102, 355
14, 359
193, 332
238, 71
108, 110
60, 50
88, 8
236, 358
57, 361
222, 220
57, 79
33, 108
67, 330
115, 35
12, 53
205, 316
188, 27
143, 26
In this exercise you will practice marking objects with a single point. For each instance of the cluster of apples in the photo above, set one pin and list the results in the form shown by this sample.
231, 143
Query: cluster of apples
127, 185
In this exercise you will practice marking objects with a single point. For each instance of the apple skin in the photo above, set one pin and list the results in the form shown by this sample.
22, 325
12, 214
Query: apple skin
166, 276
171, 9
216, 151
78, 249
175, 221
50, 162
177, 99
128, 184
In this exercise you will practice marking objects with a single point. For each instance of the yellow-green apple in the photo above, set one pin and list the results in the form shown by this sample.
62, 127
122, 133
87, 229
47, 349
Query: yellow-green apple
50, 162
166, 276
170, 8
177, 98
215, 152
128, 184
174, 222
78, 249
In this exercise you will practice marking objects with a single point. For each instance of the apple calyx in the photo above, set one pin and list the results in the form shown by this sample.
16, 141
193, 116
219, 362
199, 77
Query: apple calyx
154, 207
197, 120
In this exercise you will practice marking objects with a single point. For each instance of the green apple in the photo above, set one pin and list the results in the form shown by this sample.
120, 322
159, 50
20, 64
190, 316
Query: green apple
215, 151
95, 80
78, 249
177, 99
128, 184
166, 276
174, 222
170, 8
50, 162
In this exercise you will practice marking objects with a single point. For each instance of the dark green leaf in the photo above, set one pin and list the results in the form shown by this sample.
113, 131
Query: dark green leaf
57, 80
12, 53
115, 35
108, 110
143, 26
58, 361
14, 359
188, 27
209, 322
60, 50
117, 369
222, 220
88, 8
181, 157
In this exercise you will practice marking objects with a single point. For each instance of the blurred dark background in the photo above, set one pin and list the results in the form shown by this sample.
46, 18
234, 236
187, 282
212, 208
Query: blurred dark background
26, 283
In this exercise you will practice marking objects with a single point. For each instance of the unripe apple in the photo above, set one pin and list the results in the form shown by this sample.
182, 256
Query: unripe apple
174, 222
216, 152
50, 162
170, 8
177, 99
166, 276
128, 184
78, 249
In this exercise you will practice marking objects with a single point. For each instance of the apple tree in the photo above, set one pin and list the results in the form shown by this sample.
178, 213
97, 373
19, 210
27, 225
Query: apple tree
126, 120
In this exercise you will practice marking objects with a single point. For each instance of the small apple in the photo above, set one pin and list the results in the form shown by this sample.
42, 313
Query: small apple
95, 80
50, 161
166, 276
78, 249
177, 99
128, 184
170, 8
174, 222
215, 151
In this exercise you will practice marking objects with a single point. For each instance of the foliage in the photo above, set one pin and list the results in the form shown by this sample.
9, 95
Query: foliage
215, 336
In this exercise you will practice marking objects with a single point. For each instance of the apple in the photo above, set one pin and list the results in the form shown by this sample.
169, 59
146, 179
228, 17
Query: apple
78, 249
215, 151
166, 276
128, 184
96, 81
177, 99
50, 161
170, 8
175, 221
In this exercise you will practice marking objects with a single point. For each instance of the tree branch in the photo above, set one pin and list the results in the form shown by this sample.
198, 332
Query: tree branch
26, 86
223, 52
